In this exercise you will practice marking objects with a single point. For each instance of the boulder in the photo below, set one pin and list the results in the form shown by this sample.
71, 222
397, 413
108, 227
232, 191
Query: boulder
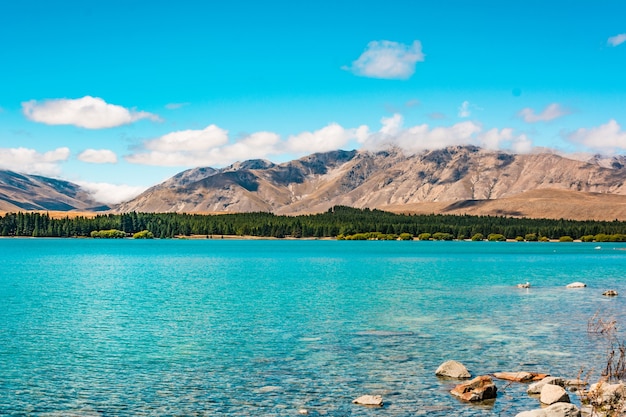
520, 376
535, 388
453, 369
610, 293
551, 394
369, 400
555, 410
478, 389
576, 285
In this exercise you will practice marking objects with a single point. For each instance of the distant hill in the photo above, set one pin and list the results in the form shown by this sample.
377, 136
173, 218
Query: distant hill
22, 192
462, 179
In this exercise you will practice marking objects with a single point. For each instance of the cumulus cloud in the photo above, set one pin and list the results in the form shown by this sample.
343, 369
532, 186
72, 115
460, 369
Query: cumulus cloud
328, 138
551, 112
98, 156
421, 137
208, 146
617, 39
111, 193
608, 137
31, 161
388, 60
86, 112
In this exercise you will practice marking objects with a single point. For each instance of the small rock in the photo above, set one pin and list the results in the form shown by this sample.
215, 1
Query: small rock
520, 376
576, 285
453, 369
303, 411
610, 293
535, 388
575, 383
555, 410
526, 285
478, 389
370, 400
551, 394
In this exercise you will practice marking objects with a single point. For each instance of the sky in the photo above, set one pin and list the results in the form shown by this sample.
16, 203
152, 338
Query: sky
118, 96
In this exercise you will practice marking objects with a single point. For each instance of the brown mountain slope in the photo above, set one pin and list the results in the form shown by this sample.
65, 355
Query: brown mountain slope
22, 192
546, 203
387, 179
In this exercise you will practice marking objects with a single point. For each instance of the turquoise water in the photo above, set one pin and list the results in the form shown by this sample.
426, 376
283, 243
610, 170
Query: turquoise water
221, 327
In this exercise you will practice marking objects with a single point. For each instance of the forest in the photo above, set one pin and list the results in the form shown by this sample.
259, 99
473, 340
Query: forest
338, 222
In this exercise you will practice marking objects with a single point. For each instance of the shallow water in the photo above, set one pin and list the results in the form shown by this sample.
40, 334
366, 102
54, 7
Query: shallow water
219, 327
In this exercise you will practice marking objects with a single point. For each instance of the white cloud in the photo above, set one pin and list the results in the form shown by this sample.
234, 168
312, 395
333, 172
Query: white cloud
551, 112
617, 39
608, 137
388, 60
189, 140
111, 193
32, 162
328, 138
87, 112
98, 156
464, 109
421, 137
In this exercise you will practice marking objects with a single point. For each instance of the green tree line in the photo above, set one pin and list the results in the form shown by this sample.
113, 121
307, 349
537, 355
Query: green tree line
336, 221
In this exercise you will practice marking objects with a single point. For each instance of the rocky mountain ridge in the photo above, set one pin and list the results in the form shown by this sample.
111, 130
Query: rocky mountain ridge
23, 192
384, 180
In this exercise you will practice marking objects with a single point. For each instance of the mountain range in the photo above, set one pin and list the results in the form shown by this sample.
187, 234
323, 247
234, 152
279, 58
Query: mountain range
456, 180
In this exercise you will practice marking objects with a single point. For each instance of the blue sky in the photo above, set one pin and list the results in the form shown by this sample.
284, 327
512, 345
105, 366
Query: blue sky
120, 95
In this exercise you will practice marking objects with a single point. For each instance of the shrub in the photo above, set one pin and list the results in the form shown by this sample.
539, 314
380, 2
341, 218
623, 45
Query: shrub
566, 239
108, 234
496, 237
144, 234
587, 238
478, 236
424, 236
406, 236
544, 239
531, 237
519, 239
442, 236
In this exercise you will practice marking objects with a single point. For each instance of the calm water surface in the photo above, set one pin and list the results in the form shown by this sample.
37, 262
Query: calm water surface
218, 327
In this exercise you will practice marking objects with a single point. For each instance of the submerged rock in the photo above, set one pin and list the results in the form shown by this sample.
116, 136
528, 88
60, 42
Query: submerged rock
520, 376
610, 293
369, 400
555, 410
576, 285
551, 394
453, 369
478, 389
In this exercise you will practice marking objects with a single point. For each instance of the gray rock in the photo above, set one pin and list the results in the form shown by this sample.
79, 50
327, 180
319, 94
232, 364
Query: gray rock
453, 369
551, 394
535, 388
555, 410
603, 394
370, 400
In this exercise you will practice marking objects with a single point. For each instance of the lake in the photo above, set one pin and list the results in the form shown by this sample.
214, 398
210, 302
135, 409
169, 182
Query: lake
268, 327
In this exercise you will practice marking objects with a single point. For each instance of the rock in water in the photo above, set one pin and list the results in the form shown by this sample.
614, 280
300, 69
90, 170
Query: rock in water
536, 387
576, 285
610, 293
520, 376
478, 389
555, 410
453, 369
370, 400
551, 394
